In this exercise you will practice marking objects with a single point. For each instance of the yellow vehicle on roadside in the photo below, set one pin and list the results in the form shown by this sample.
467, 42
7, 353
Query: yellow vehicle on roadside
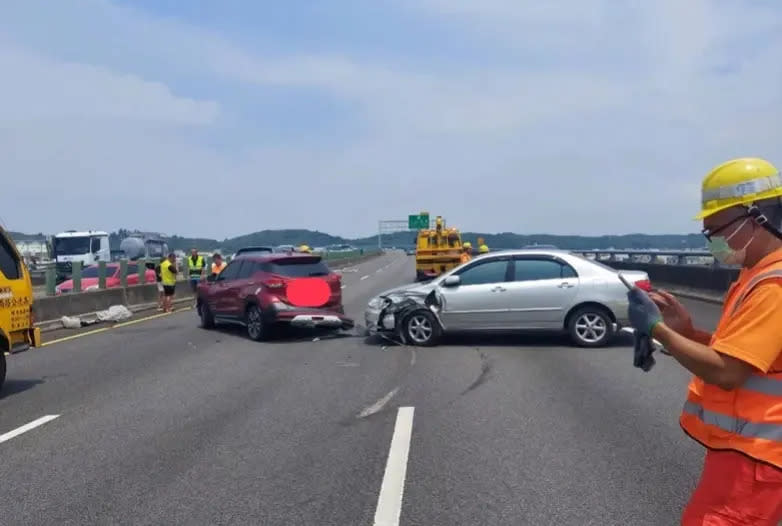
17, 319
438, 250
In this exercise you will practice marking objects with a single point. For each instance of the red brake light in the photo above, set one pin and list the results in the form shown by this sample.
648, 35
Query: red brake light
644, 284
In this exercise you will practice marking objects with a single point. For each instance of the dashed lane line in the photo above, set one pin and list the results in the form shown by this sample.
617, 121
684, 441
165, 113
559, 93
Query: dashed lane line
364, 277
27, 427
389, 502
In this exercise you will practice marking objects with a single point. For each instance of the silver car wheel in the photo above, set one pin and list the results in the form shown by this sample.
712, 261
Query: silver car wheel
419, 328
591, 328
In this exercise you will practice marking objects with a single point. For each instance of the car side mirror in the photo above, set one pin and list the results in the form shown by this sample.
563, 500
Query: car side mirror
452, 281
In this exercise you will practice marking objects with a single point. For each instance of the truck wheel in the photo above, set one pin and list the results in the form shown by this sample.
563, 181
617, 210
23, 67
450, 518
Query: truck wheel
2, 369
207, 318
590, 327
421, 328
256, 328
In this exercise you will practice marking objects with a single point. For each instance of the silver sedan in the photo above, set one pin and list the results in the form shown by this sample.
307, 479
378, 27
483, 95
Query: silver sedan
511, 290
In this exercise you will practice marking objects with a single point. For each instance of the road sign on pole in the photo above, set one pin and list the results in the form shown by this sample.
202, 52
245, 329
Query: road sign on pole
417, 222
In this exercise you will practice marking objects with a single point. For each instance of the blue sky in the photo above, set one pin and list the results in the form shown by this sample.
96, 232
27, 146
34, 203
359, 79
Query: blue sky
221, 118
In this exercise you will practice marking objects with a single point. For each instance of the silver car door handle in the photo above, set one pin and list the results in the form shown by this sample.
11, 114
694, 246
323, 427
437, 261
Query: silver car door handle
498, 289
565, 285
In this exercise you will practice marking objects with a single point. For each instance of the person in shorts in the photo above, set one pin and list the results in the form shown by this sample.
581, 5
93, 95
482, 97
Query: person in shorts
168, 272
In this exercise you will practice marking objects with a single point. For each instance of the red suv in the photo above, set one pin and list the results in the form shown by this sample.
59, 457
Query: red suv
251, 291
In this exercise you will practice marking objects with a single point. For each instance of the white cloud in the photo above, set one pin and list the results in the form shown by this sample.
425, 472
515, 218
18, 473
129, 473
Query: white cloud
586, 117
38, 88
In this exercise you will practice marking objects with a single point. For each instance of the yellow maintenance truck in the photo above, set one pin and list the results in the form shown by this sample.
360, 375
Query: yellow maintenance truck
438, 250
17, 322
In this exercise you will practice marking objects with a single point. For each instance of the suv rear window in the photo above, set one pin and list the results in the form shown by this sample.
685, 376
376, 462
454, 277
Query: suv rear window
298, 268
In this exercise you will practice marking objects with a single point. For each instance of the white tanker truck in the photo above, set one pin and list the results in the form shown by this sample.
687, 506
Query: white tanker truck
149, 248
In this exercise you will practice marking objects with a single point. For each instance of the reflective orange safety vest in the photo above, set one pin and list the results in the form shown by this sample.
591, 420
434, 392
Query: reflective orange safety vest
747, 419
216, 269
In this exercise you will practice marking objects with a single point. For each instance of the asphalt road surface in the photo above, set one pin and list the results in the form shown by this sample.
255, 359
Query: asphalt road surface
160, 422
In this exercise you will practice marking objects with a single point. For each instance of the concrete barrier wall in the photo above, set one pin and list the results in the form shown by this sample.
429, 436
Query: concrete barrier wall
49, 308
690, 276
54, 307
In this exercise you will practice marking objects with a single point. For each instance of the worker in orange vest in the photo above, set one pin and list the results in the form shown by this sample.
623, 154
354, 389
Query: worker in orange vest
734, 400
466, 254
217, 263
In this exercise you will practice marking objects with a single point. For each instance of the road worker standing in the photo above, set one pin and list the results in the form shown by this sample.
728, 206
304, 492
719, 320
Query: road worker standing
168, 272
304, 249
483, 249
466, 252
217, 263
734, 400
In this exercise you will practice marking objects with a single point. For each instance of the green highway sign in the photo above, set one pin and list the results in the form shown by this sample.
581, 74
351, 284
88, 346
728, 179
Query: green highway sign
417, 222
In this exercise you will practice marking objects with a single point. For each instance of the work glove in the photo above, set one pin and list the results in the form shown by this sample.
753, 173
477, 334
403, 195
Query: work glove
642, 312
642, 352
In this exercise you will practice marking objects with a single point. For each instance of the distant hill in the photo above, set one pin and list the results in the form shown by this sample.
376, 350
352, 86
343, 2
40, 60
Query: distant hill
18, 236
406, 239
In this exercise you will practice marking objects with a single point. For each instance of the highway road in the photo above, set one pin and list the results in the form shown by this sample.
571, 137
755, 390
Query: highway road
160, 422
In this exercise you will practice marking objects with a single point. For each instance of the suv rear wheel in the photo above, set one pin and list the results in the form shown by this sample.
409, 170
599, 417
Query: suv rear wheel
256, 328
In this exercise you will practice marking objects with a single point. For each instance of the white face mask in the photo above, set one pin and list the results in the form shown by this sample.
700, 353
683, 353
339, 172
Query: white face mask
720, 249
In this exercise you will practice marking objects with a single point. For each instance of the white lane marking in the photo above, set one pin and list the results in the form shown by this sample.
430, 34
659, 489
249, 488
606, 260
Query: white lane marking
364, 277
27, 427
389, 502
377, 406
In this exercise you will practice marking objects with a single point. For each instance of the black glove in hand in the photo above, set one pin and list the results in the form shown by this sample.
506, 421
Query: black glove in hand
642, 352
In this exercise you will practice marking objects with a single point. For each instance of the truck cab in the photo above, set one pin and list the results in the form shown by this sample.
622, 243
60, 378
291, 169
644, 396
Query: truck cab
17, 319
87, 247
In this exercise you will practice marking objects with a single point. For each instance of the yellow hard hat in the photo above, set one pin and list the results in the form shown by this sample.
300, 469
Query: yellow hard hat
483, 249
304, 248
739, 182
467, 244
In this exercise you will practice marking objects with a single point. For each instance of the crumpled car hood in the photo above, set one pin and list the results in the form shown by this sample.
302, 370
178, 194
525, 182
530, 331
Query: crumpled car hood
413, 290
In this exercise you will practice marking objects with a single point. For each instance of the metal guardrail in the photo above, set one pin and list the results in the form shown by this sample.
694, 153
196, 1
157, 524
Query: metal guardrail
48, 271
701, 258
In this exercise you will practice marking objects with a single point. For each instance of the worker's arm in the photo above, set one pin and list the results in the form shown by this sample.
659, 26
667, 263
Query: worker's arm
702, 337
751, 340
703, 361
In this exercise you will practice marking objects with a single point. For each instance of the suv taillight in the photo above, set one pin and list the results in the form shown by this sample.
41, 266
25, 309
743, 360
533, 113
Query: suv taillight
644, 284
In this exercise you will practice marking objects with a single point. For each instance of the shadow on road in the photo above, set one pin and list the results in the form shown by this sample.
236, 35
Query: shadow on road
287, 335
510, 339
13, 386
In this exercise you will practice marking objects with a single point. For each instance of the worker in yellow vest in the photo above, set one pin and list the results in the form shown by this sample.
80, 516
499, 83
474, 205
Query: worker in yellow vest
483, 249
168, 272
466, 254
734, 400
195, 269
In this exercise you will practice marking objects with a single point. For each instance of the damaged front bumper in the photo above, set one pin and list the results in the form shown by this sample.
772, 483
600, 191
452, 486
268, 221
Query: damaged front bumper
384, 314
